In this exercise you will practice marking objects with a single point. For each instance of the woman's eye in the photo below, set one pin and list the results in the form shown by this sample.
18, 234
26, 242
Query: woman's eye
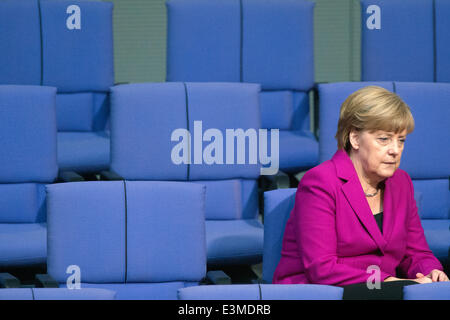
383, 139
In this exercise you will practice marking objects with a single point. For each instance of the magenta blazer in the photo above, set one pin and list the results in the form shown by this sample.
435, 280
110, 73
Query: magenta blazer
332, 237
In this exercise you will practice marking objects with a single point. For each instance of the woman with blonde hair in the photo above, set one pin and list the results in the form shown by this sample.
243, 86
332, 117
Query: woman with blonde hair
355, 217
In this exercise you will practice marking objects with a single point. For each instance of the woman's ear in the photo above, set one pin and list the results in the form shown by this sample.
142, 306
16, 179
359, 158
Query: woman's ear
354, 139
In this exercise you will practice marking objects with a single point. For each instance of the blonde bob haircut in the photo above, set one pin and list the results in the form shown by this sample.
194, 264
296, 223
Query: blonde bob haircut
372, 108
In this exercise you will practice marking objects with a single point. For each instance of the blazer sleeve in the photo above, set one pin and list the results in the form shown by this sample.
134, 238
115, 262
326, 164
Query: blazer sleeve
418, 256
315, 229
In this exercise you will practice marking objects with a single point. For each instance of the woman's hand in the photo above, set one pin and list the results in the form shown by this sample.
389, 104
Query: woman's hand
435, 276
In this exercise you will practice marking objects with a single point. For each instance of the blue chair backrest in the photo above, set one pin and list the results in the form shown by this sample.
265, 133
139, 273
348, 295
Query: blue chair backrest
28, 157
146, 120
268, 42
262, 292
56, 294
278, 205
65, 44
125, 232
397, 48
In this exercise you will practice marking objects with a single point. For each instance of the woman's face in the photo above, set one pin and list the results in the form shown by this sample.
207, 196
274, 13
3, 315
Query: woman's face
379, 152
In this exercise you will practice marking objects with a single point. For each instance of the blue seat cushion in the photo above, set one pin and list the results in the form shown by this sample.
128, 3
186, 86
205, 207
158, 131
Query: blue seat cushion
142, 291
298, 150
220, 292
234, 241
300, 292
22, 203
427, 291
23, 244
437, 233
83, 151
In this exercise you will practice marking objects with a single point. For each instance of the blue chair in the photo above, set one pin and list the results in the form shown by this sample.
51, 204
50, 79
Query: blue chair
145, 119
56, 294
405, 49
141, 239
278, 205
269, 42
67, 45
262, 292
27, 163
430, 176
430, 173
427, 291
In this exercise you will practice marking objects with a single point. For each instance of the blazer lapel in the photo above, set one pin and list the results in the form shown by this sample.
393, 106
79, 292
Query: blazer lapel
354, 194
388, 214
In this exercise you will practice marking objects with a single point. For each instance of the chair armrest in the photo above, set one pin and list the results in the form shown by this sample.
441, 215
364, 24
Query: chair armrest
110, 176
276, 181
69, 176
217, 277
7, 280
45, 281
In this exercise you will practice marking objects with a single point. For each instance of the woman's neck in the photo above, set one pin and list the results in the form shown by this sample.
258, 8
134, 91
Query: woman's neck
368, 183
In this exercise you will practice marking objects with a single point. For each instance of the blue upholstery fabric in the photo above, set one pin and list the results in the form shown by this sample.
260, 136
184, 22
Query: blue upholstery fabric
216, 26
16, 294
235, 106
22, 203
256, 41
437, 233
28, 131
95, 212
262, 292
172, 213
83, 151
277, 108
23, 244
74, 294
277, 208
55, 294
79, 59
268, 42
298, 150
427, 291
300, 292
121, 225
435, 198
234, 241
142, 291
442, 12
402, 49
143, 117
277, 44
134, 139
20, 43
74, 112
220, 292
428, 103
331, 97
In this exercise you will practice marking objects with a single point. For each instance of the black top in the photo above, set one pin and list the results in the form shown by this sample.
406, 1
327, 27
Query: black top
379, 220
